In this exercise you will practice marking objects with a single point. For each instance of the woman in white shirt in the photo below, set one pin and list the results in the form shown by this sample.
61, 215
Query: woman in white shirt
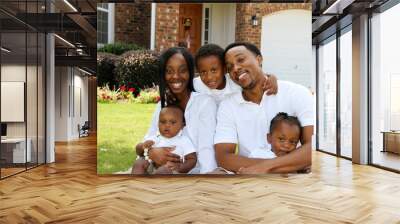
176, 88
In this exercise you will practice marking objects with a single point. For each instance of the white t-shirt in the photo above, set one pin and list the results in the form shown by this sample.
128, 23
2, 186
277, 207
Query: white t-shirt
247, 124
262, 154
200, 116
217, 94
183, 145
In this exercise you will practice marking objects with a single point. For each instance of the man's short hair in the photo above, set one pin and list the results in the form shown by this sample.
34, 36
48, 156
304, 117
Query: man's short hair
210, 50
249, 46
284, 117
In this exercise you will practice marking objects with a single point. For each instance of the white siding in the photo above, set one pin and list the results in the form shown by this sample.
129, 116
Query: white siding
286, 46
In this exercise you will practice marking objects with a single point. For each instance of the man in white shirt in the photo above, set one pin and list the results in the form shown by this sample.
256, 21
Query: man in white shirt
244, 118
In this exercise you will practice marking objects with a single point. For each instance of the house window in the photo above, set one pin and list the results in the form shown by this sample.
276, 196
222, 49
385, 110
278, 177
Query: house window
102, 23
206, 25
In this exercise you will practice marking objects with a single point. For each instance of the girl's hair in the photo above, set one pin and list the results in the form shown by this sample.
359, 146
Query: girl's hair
166, 95
284, 117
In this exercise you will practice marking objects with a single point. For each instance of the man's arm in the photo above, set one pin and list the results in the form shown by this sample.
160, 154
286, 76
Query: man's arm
226, 157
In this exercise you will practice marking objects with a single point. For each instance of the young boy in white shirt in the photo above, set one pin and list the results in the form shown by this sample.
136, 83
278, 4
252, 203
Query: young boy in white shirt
213, 79
170, 125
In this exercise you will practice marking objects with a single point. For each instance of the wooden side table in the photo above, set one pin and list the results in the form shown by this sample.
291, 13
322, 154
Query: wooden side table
391, 141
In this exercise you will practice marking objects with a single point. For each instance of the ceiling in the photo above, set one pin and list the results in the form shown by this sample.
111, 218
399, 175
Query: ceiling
332, 15
74, 22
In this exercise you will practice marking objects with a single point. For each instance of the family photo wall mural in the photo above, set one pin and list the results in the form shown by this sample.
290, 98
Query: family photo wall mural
204, 88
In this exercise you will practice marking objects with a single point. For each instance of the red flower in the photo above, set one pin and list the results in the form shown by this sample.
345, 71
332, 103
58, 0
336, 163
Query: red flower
131, 90
122, 88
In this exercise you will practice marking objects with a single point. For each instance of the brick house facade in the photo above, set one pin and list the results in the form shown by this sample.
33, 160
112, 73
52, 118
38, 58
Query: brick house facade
132, 23
167, 25
287, 56
160, 26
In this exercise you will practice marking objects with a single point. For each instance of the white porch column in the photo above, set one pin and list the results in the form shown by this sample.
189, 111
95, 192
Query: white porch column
111, 22
153, 26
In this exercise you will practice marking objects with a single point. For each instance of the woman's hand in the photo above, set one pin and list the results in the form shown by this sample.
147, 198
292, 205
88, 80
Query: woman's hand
173, 166
161, 155
148, 144
270, 85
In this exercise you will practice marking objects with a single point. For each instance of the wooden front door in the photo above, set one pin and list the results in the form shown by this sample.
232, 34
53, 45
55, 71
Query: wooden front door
190, 26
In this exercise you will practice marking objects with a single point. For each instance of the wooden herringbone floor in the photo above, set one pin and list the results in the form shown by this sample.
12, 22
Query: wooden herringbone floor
69, 191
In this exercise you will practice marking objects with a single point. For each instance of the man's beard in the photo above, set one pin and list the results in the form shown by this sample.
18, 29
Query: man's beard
250, 86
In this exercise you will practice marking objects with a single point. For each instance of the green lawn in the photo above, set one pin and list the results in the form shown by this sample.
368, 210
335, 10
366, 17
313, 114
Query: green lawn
120, 128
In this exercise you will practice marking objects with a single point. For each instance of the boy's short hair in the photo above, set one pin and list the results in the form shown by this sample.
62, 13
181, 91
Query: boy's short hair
249, 46
284, 117
210, 50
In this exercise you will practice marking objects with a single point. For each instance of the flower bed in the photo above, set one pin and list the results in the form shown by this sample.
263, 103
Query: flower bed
127, 95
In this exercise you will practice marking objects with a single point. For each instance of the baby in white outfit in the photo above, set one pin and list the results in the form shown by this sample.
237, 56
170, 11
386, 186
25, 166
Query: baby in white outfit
170, 125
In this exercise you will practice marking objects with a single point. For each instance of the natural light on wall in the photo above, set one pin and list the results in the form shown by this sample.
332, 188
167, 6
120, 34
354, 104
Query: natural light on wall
327, 96
385, 80
346, 94
386, 69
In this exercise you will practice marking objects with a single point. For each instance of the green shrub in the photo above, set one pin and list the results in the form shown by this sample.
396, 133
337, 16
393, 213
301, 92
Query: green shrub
105, 69
119, 48
138, 69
